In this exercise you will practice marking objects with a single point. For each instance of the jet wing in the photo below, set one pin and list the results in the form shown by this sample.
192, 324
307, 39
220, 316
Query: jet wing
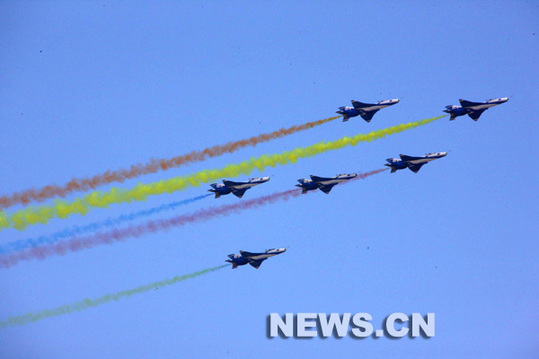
407, 158
317, 179
416, 168
248, 254
256, 263
465, 103
474, 115
239, 192
231, 184
360, 105
367, 116
327, 188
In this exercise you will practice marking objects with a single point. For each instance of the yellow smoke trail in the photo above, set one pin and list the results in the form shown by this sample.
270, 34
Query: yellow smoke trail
90, 303
154, 166
62, 209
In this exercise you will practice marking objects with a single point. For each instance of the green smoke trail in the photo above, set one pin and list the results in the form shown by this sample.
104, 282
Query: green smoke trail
90, 303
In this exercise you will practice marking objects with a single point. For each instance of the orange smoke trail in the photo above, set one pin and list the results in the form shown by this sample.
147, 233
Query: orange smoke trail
154, 166
117, 235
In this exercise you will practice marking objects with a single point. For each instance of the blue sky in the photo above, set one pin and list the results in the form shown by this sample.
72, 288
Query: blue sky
91, 86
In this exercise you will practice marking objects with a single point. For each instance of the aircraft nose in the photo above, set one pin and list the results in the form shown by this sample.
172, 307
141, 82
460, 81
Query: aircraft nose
443, 153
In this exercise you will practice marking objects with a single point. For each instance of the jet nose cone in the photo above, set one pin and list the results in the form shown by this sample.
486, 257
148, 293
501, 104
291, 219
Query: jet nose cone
443, 154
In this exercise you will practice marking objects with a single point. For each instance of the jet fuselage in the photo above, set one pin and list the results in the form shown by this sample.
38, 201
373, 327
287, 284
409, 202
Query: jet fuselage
333, 180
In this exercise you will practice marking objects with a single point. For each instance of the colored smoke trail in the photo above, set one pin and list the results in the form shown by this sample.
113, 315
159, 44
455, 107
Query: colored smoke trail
117, 235
92, 227
367, 174
77, 244
62, 209
154, 166
90, 303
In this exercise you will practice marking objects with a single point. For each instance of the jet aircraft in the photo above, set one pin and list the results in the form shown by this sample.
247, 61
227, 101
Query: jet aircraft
254, 259
323, 183
411, 162
236, 188
472, 109
365, 110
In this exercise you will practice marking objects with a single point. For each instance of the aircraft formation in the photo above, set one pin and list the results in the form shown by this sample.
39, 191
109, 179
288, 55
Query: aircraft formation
325, 184
44, 246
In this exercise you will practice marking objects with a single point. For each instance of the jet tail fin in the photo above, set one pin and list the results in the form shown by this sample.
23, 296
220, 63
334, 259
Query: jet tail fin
393, 169
217, 194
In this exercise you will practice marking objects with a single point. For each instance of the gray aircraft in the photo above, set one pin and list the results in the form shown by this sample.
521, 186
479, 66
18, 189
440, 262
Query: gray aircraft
365, 110
236, 188
323, 183
254, 259
472, 109
412, 163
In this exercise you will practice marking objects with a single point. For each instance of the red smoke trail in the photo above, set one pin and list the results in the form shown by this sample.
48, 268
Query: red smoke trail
367, 174
154, 166
117, 235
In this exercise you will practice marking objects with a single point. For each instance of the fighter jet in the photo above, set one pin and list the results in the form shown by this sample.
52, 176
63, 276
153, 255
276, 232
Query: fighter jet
365, 110
324, 184
254, 259
412, 163
236, 188
472, 109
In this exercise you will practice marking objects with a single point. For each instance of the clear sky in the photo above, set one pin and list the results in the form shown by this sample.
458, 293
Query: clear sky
90, 86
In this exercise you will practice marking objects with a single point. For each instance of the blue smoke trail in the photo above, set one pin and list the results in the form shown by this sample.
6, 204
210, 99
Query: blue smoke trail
92, 227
